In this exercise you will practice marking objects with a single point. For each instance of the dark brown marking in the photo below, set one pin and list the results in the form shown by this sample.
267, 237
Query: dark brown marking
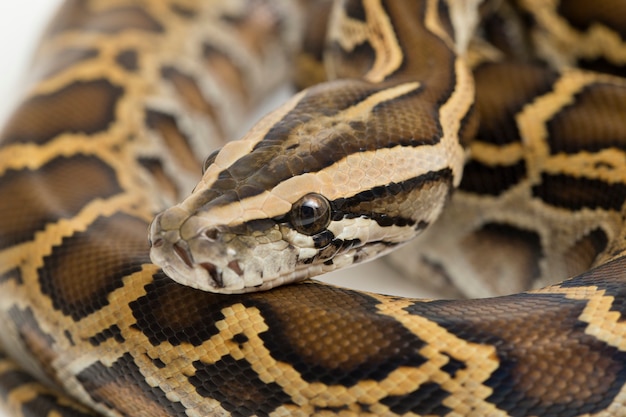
593, 122
502, 90
82, 107
394, 203
238, 388
59, 189
176, 141
128, 59
355, 347
536, 360
122, 387
163, 304
494, 180
86, 267
577, 193
78, 15
605, 12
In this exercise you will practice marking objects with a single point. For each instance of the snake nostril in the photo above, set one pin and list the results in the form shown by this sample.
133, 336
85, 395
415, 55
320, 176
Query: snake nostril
157, 243
184, 255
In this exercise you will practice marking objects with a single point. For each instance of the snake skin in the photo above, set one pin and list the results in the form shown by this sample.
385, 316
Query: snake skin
126, 98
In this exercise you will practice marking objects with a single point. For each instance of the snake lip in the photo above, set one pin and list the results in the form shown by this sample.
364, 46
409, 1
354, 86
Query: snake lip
183, 254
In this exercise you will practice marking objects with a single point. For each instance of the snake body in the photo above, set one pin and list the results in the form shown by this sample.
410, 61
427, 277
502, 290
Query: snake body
128, 96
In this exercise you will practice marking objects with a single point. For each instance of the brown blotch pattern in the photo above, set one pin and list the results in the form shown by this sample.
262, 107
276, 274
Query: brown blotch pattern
237, 387
536, 375
594, 122
122, 387
32, 199
80, 273
501, 91
82, 107
312, 333
194, 324
310, 329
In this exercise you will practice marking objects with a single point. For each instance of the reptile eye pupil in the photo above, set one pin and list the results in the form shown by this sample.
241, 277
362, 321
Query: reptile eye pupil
311, 214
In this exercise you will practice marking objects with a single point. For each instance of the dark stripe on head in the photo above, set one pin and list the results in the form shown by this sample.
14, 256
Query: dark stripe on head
479, 178
577, 193
295, 146
393, 204
82, 107
595, 121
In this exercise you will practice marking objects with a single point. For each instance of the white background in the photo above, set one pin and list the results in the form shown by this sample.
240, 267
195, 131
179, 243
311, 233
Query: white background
21, 23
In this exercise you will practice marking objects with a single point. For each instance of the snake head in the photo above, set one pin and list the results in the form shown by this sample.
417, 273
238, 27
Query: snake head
310, 189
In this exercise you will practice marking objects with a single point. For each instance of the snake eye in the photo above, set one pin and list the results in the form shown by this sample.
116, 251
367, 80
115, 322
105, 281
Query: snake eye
311, 214
209, 160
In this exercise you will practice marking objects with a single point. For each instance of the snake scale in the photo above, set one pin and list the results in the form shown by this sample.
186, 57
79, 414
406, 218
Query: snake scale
126, 98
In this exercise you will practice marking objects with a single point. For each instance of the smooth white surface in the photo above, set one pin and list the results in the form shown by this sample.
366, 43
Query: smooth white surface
21, 24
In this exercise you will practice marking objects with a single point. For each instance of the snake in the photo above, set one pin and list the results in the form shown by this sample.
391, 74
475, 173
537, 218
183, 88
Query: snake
145, 273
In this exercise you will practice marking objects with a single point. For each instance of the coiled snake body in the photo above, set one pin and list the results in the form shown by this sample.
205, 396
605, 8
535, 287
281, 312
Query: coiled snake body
126, 95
